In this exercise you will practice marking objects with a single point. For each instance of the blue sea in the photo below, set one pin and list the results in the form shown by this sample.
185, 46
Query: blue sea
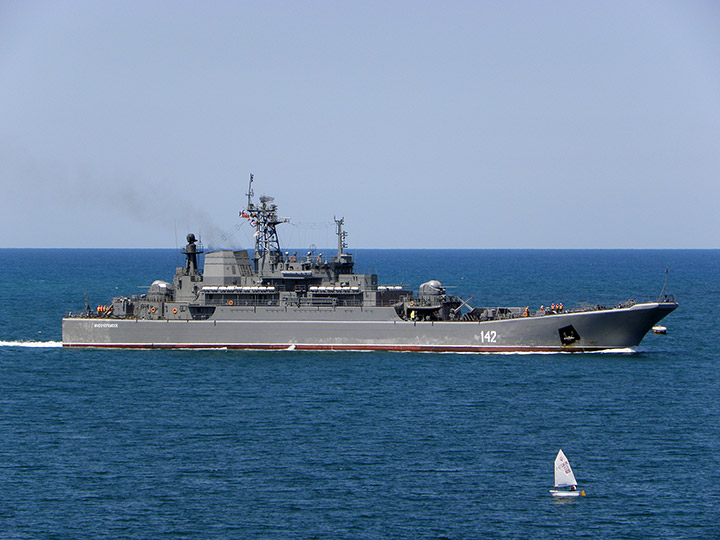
153, 444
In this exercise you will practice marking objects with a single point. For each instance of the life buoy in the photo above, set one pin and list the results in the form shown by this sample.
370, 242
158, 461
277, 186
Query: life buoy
412, 303
174, 310
230, 302
152, 309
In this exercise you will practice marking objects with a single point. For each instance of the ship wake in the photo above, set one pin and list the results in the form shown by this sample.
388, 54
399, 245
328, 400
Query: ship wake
32, 344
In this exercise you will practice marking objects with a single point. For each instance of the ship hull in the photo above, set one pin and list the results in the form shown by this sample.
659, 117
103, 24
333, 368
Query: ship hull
373, 330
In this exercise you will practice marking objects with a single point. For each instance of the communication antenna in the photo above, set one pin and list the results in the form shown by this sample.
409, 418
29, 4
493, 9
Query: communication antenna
342, 235
250, 193
663, 293
177, 247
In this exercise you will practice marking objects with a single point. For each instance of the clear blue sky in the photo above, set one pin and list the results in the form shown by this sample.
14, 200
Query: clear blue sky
426, 124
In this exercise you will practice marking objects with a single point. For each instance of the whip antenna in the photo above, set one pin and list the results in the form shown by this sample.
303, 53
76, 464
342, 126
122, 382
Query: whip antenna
250, 193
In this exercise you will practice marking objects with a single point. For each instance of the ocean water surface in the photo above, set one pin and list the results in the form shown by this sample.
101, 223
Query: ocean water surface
291, 444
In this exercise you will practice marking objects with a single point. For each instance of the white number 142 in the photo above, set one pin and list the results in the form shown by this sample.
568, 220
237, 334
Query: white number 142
489, 336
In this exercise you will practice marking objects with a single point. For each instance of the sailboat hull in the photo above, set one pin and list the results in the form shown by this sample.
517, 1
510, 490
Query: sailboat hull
559, 493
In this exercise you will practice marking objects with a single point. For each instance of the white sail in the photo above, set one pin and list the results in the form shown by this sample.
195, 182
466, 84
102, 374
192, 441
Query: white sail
564, 476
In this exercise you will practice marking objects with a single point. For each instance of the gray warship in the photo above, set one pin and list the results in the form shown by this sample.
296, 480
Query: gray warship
272, 299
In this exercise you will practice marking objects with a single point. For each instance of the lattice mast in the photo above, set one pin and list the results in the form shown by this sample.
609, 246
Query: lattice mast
264, 219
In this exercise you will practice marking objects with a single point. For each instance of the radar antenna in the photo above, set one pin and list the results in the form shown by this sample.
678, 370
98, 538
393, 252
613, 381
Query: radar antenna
191, 251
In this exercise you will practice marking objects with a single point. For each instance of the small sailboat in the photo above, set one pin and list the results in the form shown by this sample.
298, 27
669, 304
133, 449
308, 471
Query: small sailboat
565, 483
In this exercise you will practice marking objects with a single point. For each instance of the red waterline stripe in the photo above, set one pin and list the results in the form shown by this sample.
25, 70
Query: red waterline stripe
305, 347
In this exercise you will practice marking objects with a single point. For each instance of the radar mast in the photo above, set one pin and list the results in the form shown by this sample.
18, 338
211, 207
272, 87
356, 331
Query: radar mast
342, 235
264, 219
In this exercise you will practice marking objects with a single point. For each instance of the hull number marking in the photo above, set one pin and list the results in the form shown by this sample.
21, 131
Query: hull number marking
488, 337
